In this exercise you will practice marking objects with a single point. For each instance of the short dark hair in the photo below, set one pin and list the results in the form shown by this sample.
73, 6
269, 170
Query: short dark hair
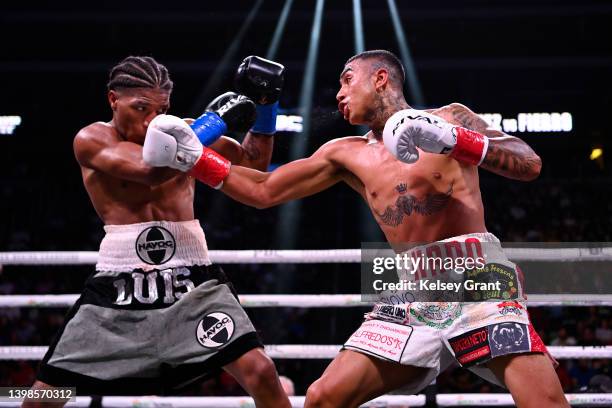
139, 72
384, 59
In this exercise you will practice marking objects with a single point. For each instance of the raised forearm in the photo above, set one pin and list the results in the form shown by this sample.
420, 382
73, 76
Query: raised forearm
256, 151
510, 157
507, 155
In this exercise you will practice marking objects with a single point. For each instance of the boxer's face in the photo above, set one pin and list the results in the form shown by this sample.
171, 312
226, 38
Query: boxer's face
133, 110
356, 92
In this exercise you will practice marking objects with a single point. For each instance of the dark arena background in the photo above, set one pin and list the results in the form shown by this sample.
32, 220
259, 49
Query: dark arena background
539, 70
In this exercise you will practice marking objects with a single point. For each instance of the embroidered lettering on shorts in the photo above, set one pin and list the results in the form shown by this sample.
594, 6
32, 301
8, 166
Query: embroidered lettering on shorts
510, 308
492, 273
471, 347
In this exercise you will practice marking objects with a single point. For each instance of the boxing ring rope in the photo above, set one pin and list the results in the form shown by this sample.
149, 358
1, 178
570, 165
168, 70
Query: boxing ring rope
320, 352
443, 400
306, 301
312, 301
261, 256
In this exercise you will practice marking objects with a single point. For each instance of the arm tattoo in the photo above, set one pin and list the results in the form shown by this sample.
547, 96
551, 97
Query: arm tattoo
469, 119
510, 158
407, 204
515, 163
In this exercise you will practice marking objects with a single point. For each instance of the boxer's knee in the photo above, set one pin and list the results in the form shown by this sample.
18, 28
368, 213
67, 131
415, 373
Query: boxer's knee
39, 385
262, 375
320, 395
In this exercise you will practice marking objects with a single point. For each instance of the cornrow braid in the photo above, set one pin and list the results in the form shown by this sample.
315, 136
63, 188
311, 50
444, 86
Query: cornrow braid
139, 72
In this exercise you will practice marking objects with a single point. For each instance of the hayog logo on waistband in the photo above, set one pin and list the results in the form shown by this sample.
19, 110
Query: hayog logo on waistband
155, 245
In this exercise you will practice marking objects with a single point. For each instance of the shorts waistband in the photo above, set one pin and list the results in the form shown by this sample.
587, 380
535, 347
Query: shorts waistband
481, 236
152, 245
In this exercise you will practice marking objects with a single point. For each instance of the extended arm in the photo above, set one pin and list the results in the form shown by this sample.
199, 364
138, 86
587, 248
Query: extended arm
254, 152
291, 181
507, 155
96, 148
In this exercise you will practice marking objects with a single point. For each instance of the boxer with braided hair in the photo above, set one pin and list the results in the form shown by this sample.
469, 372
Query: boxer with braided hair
139, 72
156, 314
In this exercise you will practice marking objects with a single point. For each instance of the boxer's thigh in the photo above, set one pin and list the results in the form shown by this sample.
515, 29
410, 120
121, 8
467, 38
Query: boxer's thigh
353, 378
519, 373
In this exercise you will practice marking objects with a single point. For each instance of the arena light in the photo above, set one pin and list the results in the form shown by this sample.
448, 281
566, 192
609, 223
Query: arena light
289, 123
596, 153
531, 122
286, 232
414, 87
8, 124
214, 80
358, 26
368, 228
278, 32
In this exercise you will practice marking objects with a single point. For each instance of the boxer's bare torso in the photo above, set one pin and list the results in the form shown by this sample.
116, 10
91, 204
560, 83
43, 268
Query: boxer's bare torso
122, 189
435, 198
432, 199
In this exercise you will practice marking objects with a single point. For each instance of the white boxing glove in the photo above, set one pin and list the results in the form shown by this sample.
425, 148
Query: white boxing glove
171, 142
410, 128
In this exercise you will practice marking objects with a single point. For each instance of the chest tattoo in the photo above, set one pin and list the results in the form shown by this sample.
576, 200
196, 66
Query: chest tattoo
407, 204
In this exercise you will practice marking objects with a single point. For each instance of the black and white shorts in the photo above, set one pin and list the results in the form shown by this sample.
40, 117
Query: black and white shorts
150, 329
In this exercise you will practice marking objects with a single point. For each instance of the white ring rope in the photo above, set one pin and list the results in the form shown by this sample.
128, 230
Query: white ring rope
443, 400
305, 301
504, 400
301, 256
223, 402
320, 352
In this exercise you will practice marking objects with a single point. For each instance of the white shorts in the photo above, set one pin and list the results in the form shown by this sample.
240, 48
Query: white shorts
436, 334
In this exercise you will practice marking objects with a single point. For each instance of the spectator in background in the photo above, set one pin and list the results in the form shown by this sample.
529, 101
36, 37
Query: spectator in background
563, 339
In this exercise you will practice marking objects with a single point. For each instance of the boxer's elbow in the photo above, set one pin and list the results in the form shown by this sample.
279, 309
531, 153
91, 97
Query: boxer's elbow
534, 168
263, 200
155, 176
266, 197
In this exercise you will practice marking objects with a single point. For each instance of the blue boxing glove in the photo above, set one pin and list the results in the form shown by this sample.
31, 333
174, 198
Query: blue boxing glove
229, 112
261, 80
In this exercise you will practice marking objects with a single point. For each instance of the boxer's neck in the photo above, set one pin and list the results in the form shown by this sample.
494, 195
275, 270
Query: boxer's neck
385, 105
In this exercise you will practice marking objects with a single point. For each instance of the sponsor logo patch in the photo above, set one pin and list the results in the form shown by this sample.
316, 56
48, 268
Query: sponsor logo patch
396, 313
439, 315
380, 338
507, 338
494, 272
510, 308
215, 330
471, 347
155, 246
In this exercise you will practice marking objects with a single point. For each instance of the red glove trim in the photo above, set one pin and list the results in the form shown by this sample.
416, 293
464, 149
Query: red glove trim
471, 146
211, 168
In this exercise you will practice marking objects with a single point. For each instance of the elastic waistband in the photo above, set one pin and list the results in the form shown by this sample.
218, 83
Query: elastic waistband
152, 245
465, 239
481, 236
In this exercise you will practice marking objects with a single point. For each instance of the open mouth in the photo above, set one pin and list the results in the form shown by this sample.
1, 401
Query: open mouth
344, 110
